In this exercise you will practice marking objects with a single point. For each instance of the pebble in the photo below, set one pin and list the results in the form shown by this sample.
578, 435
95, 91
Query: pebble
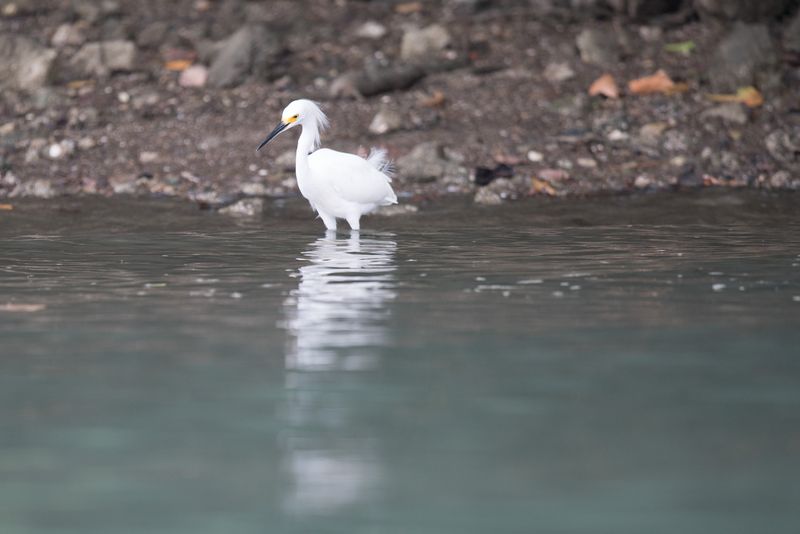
194, 76
421, 44
718, 287
642, 181
733, 113
587, 163
371, 30
535, 156
385, 121
558, 72
148, 157
617, 135
247, 207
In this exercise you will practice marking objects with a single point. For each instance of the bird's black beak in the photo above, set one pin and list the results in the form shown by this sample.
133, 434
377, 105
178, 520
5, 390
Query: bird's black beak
278, 129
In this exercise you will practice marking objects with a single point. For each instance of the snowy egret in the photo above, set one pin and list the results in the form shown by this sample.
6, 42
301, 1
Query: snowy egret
336, 184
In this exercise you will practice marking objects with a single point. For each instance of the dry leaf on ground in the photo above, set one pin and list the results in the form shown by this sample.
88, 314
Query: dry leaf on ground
606, 86
541, 187
749, 96
436, 100
178, 65
406, 8
660, 82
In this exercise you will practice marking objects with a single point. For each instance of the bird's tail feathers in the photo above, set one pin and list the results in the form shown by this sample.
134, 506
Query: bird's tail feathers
378, 158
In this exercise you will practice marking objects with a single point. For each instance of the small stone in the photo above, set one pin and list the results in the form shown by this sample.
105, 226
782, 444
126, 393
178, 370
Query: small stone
8, 128
24, 64
60, 150
103, 58
649, 134
396, 209
249, 51
67, 35
427, 162
123, 97
535, 156
425, 43
487, 197
194, 76
642, 181
123, 183
385, 121
718, 287
586, 163
780, 180
153, 34
247, 207
86, 143
598, 47
148, 157
40, 188
783, 146
746, 56
558, 72
371, 30
678, 161
254, 189
733, 113
617, 135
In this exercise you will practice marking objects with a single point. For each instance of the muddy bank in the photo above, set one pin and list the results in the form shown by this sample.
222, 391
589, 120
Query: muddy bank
485, 98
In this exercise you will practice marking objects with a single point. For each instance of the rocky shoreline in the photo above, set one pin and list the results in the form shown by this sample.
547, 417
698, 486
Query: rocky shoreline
489, 98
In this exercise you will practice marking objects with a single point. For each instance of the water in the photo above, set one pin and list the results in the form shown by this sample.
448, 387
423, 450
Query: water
616, 365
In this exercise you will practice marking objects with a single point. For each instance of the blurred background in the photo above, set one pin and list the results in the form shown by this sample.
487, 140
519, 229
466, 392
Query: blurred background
496, 99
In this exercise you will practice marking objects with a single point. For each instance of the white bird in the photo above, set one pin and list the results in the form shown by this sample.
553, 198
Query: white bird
337, 185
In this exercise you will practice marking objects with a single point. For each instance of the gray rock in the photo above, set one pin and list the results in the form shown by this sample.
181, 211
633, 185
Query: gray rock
396, 209
558, 72
732, 113
780, 180
599, 47
24, 64
427, 162
153, 34
784, 146
376, 80
746, 56
248, 52
502, 189
745, 10
422, 44
247, 207
791, 35
386, 121
68, 35
103, 58
39, 188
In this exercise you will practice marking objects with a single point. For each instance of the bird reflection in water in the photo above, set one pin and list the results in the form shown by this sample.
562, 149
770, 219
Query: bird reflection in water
337, 319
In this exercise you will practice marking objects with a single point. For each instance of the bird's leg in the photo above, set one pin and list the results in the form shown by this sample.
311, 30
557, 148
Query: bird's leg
330, 221
354, 222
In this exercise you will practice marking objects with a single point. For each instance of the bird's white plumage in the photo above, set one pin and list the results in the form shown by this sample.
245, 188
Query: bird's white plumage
337, 185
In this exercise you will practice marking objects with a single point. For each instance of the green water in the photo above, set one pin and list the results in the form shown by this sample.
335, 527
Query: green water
615, 365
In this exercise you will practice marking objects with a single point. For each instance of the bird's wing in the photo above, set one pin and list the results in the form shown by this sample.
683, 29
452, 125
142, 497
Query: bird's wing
353, 178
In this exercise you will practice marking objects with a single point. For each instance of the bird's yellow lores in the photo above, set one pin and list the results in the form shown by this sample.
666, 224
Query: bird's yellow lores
336, 184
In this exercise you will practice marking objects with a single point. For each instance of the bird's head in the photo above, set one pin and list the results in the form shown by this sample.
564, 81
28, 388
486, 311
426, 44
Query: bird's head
297, 112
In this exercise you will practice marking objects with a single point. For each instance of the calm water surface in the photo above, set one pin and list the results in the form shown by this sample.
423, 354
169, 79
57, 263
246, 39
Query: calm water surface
607, 366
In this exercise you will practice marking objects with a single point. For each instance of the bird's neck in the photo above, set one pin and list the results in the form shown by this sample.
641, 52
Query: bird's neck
309, 139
